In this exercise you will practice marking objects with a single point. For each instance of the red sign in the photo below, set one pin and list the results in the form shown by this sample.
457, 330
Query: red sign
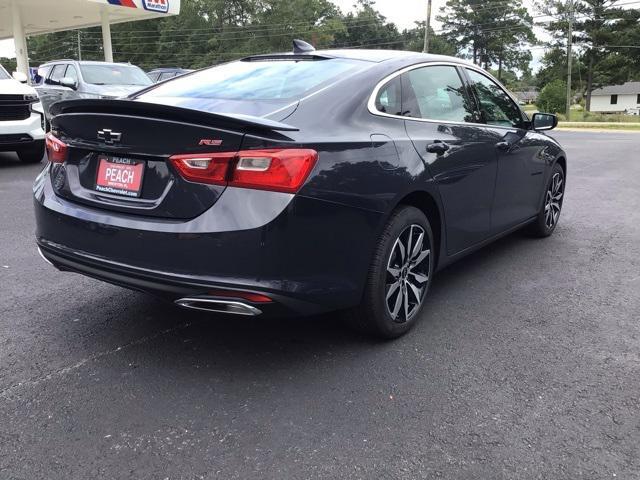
120, 176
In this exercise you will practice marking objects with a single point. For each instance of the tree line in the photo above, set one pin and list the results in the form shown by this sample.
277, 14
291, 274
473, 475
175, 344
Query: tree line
496, 34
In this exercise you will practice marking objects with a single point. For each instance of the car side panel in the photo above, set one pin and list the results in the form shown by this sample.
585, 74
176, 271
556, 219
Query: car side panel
520, 178
465, 176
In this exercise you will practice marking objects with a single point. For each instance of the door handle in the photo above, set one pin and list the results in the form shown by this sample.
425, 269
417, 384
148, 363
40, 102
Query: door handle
506, 146
438, 147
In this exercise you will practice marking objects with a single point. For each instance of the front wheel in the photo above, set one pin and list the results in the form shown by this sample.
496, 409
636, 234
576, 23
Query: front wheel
33, 153
399, 276
549, 214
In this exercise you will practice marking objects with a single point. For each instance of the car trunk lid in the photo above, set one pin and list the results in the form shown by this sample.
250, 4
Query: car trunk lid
112, 142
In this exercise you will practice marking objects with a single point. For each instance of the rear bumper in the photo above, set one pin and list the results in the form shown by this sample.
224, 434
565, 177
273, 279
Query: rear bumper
168, 286
308, 255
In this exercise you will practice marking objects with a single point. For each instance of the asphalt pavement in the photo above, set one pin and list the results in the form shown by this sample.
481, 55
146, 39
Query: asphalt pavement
525, 365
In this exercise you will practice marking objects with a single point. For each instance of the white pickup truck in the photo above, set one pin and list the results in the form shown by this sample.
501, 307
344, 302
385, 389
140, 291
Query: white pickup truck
21, 118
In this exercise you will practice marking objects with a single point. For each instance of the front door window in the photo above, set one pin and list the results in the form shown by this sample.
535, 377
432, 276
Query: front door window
496, 105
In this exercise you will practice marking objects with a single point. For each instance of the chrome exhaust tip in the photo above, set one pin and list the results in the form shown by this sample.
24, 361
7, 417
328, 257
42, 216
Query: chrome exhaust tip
234, 307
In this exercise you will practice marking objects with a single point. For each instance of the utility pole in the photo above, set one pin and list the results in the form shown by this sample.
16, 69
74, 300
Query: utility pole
427, 27
79, 48
569, 59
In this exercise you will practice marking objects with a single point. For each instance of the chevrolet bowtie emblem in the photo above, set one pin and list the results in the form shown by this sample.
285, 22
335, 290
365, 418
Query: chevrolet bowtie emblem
109, 137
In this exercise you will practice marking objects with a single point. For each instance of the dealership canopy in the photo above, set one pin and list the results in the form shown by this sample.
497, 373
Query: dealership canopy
20, 18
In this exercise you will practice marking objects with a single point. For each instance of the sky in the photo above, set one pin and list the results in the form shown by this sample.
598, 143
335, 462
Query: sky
401, 12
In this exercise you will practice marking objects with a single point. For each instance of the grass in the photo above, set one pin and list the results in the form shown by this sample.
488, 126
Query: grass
584, 116
601, 125
580, 118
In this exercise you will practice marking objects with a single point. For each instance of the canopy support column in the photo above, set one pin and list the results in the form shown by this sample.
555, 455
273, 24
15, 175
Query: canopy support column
20, 40
106, 36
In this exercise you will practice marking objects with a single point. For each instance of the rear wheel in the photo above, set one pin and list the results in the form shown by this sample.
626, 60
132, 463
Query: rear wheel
31, 154
399, 276
549, 214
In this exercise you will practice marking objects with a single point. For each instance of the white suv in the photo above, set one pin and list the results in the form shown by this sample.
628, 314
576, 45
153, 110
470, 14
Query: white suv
21, 118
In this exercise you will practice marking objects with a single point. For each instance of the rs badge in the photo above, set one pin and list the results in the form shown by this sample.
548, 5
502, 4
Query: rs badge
210, 142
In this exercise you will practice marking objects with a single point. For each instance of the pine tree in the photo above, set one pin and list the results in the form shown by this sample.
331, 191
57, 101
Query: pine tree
604, 35
490, 33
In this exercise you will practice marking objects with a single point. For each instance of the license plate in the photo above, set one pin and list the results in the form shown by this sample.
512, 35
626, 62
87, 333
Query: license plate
120, 176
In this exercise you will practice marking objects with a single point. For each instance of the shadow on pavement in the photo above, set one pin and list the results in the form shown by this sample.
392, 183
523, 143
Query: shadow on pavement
11, 160
237, 342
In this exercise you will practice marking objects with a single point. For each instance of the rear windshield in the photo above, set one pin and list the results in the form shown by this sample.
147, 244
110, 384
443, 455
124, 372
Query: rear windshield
268, 80
114, 75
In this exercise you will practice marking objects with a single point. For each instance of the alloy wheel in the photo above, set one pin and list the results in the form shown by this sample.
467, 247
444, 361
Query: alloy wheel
408, 271
553, 201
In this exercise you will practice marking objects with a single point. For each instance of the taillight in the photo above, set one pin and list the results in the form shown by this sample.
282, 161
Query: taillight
209, 168
56, 149
283, 170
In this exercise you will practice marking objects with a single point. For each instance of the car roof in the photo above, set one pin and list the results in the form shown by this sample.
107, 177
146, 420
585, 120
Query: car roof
86, 62
381, 55
369, 55
168, 69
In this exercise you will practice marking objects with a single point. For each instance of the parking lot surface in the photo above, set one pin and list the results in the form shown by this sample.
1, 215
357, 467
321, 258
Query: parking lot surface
525, 365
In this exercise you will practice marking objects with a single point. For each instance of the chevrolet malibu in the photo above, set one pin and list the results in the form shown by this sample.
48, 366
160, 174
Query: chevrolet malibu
297, 183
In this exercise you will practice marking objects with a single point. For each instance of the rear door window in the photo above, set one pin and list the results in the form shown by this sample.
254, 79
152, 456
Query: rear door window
436, 93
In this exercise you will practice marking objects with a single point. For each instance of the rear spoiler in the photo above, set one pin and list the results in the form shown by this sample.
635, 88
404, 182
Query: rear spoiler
154, 110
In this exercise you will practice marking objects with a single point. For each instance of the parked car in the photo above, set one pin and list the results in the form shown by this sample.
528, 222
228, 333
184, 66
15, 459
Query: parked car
160, 74
71, 79
297, 183
21, 118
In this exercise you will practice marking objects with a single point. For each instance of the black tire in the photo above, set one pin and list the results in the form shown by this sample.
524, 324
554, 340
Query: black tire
373, 315
545, 223
31, 154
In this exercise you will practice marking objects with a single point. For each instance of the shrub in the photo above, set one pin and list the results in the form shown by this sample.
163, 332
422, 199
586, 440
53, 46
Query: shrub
553, 97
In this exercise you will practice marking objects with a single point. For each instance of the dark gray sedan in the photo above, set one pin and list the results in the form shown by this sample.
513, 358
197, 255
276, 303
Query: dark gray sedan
297, 183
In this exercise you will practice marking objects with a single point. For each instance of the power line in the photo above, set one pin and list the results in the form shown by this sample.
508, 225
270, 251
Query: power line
259, 27
274, 30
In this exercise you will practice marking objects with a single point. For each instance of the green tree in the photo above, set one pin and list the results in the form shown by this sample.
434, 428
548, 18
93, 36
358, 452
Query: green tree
604, 35
212, 31
367, 28
280, 21
554, 67
413, 39
490, 33
9, 64
553, 98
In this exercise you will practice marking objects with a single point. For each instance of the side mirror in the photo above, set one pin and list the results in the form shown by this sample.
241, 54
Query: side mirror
19, 76
68, 82
544, 121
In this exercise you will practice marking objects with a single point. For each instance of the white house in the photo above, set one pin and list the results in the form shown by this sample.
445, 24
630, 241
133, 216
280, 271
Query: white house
616, 98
